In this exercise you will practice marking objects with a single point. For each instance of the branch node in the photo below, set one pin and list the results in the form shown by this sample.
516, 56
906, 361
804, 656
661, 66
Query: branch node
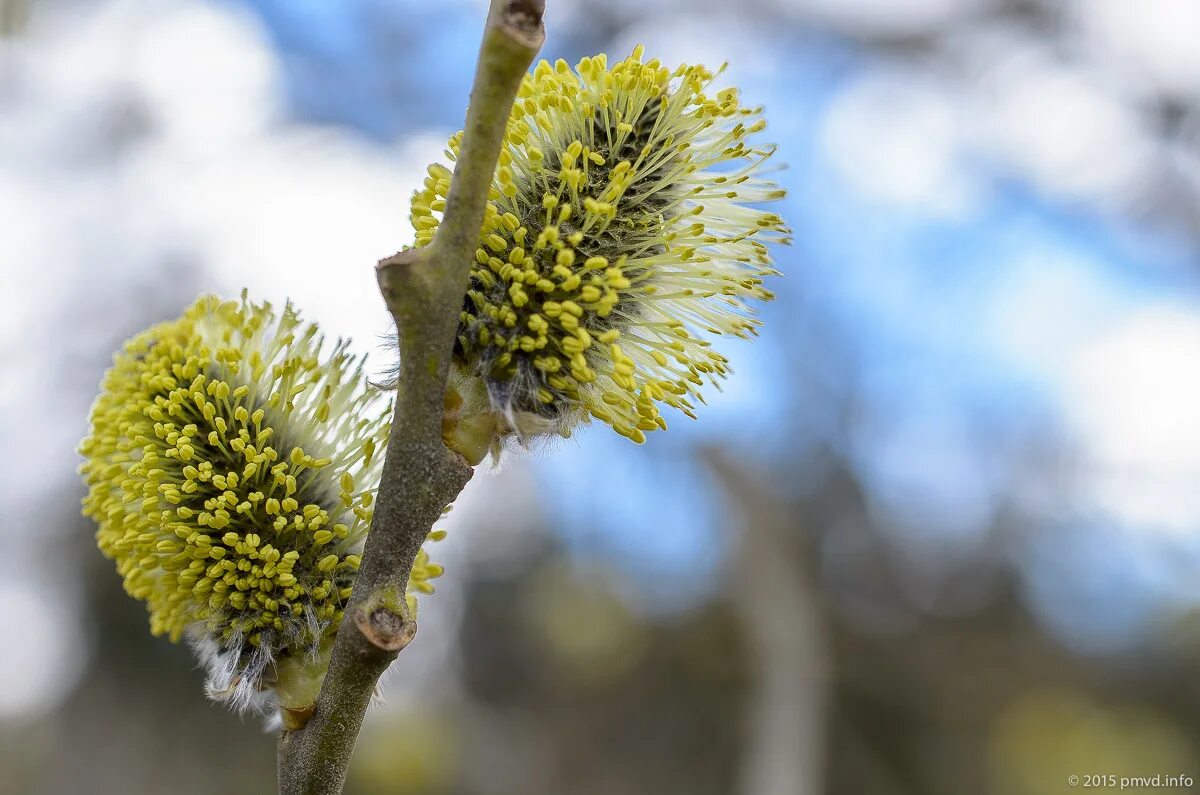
385, 628
397, 275
408, 256
296, 718
522, 19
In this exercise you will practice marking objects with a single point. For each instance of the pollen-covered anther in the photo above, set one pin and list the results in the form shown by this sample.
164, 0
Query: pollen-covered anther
622, 229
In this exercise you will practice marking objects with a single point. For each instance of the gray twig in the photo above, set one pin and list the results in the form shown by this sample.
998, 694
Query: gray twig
423, 289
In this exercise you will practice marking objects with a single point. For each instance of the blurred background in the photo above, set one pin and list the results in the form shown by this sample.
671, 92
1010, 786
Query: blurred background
939, 534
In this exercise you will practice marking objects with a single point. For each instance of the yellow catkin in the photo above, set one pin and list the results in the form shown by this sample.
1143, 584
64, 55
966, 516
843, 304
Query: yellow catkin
230, 469
623, 229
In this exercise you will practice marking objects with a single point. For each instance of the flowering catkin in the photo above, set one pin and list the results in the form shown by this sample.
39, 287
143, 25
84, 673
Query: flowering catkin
620, 229
231, 467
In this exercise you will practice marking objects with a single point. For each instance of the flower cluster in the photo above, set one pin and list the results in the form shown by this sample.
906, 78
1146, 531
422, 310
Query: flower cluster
231, 467
231, 464
620, 230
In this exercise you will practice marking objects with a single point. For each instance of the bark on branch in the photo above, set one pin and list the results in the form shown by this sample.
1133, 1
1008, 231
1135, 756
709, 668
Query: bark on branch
423, 289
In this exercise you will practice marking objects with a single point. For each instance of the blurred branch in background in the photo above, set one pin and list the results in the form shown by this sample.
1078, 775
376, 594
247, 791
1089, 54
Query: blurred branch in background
13, 16
772, 589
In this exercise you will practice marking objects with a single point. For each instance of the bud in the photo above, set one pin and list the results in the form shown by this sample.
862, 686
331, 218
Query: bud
621, 230
231, 467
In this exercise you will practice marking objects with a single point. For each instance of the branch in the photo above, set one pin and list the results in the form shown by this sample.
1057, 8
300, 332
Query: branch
782, 613
423, 289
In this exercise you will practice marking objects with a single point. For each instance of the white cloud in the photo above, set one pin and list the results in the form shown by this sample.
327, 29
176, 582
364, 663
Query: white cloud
300, 214
1155, 43
1132, 397
884, 17
1060, 128
899, 138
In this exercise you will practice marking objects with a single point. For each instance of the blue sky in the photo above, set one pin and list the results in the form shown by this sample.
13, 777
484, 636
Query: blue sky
956, 309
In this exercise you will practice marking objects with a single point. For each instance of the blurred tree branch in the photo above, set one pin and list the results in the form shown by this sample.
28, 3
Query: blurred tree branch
779, 606
423, 289
14, 14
